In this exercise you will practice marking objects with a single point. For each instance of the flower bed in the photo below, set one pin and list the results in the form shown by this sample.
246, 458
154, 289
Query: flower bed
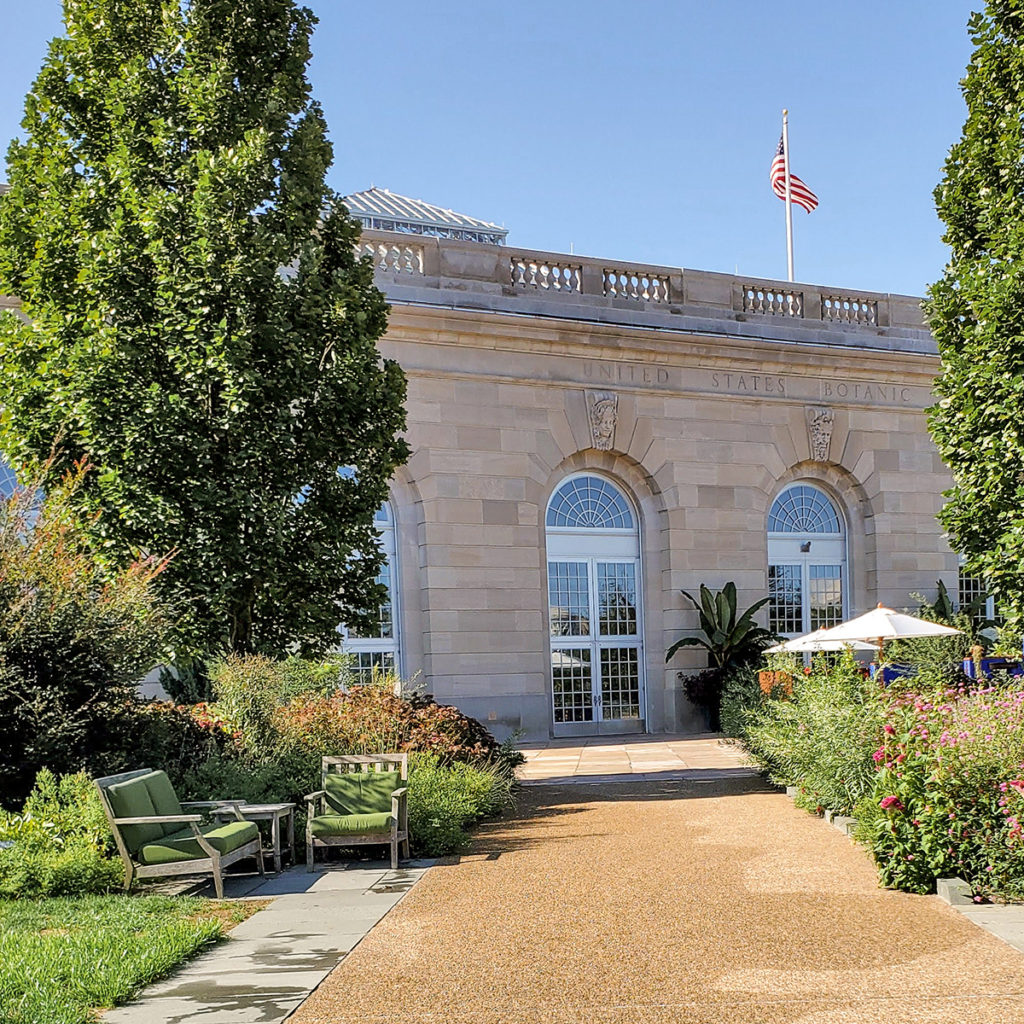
948, 797
934, 776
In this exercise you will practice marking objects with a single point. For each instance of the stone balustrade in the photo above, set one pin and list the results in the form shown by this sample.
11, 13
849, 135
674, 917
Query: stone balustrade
393, 257
772, 301
546, 274
538, 277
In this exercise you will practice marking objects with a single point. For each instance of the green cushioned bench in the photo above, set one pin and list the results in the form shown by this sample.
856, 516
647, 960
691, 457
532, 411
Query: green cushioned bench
156, 837
362, 800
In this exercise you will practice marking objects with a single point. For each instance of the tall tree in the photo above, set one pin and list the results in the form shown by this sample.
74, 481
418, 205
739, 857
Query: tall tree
976, 311
199, 327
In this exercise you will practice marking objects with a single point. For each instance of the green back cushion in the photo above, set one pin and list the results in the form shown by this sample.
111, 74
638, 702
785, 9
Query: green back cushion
131, 799
161, 792
361, 792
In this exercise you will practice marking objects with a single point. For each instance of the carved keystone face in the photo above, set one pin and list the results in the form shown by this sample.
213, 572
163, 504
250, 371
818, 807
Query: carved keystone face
604, 419
603, 414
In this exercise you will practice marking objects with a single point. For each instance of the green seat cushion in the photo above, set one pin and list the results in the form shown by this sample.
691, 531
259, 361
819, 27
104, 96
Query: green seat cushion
350, 824
161, 792
361, 792
131, 799
183, 845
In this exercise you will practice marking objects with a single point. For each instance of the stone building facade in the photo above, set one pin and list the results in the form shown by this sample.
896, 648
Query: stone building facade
591, 437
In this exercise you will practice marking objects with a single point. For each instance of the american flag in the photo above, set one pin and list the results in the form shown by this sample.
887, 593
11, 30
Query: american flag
802, 195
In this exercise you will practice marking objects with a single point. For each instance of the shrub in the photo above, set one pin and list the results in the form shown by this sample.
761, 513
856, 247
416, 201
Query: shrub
75, 637
371, 719
822, 738
60, 843
445, 798
249, 690
233, 774
742, 699
172, 737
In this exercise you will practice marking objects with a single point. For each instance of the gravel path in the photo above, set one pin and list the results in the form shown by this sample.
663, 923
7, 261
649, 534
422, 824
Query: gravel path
667, 902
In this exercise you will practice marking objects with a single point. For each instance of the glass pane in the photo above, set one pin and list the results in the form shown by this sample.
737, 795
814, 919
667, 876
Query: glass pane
785, 604
826, 593
570, 685
616, 594
8, 481
569, 598
620, 682
365, 662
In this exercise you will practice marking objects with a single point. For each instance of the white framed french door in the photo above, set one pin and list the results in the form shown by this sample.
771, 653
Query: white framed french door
596, 651
594, 609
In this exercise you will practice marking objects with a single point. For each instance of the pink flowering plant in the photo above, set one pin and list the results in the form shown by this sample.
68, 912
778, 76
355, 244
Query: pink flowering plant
948, 798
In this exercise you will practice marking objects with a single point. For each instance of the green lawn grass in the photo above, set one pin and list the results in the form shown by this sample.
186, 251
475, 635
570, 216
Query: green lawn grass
62, 960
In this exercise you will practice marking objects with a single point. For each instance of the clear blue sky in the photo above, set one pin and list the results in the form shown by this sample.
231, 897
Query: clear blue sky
638, 131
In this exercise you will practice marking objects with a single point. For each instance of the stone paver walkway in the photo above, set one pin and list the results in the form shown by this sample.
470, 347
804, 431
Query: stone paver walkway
633, 758
272, 961
661, 902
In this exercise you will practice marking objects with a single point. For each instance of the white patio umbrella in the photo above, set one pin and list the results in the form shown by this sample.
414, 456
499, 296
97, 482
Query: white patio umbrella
881, 624
813, 642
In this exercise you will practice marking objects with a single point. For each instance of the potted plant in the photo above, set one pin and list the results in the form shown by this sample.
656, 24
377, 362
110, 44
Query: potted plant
731, 638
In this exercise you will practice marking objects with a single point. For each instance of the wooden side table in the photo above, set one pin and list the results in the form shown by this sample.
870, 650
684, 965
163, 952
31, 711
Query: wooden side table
272, 813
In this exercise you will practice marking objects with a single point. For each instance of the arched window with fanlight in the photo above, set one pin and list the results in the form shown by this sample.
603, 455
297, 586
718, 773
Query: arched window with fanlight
806, 561
594, 613
379, 649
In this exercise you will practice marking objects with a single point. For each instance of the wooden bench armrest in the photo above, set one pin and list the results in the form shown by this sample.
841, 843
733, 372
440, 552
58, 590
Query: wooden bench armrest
398, 806
313, 797
159, 819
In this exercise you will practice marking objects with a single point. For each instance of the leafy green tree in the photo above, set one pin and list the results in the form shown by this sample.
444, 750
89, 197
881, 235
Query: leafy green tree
976, 311
200, 328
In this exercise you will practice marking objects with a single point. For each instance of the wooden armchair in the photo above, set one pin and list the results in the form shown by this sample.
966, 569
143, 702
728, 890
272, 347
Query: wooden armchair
156, 838
362, 800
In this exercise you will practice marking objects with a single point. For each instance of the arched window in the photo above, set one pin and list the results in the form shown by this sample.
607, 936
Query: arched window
589, 502
380, 650
594, 612
806, 561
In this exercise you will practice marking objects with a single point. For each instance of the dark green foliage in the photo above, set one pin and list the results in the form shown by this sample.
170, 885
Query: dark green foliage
188, 682
976, 311
174, 738
742, 698
729, 638
75, 639
202, 331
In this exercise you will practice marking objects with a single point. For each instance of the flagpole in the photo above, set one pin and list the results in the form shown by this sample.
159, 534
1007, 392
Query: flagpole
789, 192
